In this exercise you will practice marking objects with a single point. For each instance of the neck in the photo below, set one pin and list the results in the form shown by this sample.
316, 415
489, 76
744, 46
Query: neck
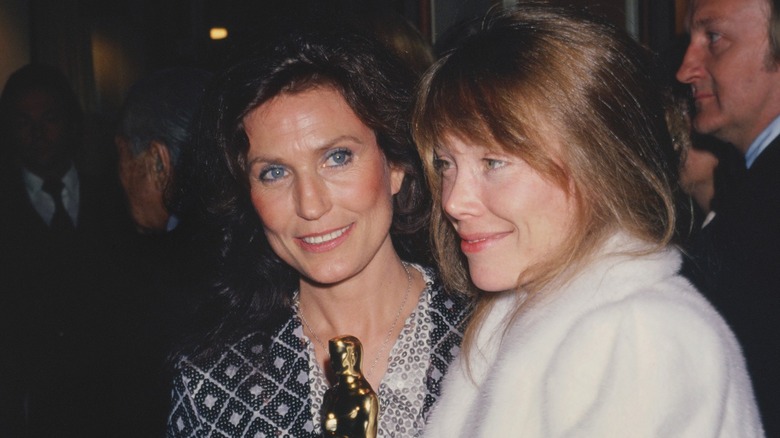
702, 194
371, 306
359, 305
743, 138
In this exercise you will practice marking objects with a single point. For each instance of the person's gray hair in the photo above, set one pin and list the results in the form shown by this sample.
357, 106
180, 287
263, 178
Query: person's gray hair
162, 107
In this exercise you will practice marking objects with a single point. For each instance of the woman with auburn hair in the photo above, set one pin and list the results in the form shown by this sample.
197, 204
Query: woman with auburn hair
553, 175
311, 180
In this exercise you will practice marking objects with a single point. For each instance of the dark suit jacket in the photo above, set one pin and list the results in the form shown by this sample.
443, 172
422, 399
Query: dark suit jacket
52, 312
160, 277
742, 249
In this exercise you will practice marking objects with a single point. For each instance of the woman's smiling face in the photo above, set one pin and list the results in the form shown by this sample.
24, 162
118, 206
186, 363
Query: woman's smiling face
320, 184
508, 216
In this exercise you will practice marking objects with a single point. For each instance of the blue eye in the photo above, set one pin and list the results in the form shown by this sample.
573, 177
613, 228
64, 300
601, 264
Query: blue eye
272, 173
339, 157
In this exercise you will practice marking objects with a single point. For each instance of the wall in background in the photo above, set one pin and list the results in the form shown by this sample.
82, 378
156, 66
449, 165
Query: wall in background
14, 37
104, 46
446, 13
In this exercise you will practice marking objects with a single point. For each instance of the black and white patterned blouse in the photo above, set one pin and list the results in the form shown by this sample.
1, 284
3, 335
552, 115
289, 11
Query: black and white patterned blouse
251, 391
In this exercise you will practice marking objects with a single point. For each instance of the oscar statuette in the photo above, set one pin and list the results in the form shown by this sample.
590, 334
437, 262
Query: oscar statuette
350, 407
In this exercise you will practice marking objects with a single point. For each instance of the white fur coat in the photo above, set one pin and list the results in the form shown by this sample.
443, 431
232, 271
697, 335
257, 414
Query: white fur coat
627, 349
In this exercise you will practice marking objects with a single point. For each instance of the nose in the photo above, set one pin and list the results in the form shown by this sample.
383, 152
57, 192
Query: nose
312, 197
460, 197
691, 66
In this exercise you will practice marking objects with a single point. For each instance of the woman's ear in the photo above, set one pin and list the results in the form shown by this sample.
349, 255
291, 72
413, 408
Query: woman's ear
396, 178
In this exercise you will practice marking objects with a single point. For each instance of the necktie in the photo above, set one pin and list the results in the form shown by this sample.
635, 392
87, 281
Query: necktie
60, 222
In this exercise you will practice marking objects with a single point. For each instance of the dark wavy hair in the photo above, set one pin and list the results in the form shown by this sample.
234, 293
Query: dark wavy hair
253, 288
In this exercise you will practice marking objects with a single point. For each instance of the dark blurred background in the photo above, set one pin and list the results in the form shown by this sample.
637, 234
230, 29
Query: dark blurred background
103, 46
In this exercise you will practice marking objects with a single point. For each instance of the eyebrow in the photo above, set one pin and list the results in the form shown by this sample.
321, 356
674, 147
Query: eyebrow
706, 22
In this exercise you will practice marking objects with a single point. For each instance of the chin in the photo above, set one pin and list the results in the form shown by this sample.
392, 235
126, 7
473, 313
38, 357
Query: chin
492, 282
706, 124
498, 274
495, 290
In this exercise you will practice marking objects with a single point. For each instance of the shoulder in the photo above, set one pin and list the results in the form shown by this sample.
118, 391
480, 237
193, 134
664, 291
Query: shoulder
656, 321
248, 350
758, 189
232, 362
625, 306
657, 347
243, 378
770, 157
663, 312
201, 389
645, 292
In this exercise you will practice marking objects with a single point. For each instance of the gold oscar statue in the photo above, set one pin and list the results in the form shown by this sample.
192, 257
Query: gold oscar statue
350, 407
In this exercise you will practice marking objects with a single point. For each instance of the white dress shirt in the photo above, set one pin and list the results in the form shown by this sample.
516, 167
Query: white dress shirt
44, 203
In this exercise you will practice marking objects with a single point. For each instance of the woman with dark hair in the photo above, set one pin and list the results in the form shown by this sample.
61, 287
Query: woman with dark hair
308, 171
550, 161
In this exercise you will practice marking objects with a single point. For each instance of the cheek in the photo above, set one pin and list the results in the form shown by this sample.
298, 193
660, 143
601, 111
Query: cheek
125, 171
143, 189
558, 223
374, 186
445, 189
275, 216
123, 177
126, 179
544, 211
276, 210
373, 190
267, 207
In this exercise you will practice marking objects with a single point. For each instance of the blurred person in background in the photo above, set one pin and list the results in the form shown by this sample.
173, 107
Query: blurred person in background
158, 263
56, 228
